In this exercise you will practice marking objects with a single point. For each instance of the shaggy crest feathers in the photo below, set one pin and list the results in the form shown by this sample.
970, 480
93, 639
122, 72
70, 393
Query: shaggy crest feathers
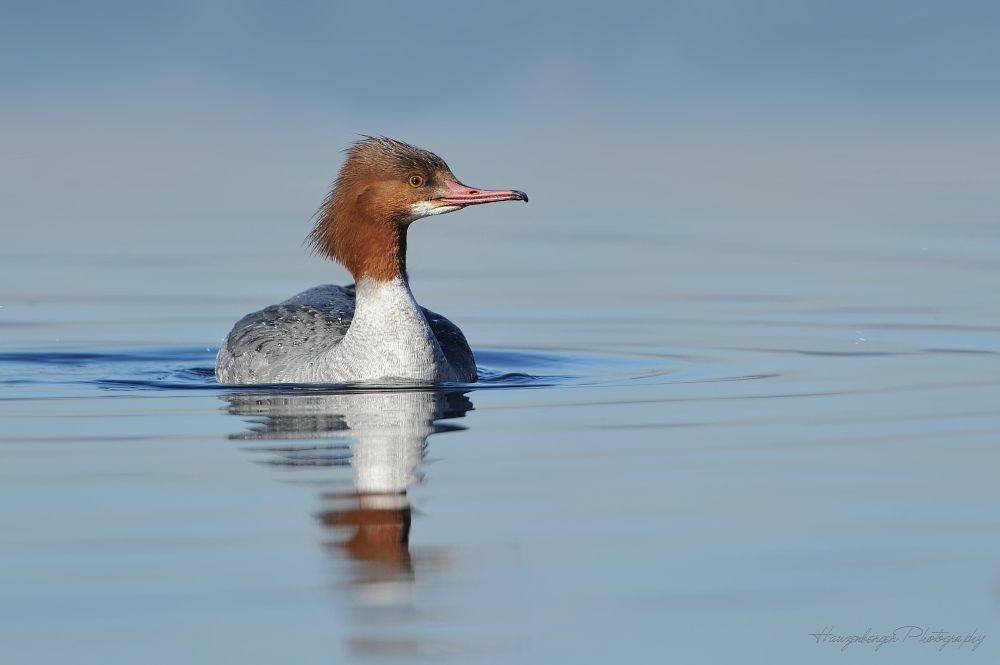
373, 150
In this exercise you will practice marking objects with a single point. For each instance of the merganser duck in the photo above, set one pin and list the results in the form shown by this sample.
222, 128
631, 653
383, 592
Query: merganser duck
372, 331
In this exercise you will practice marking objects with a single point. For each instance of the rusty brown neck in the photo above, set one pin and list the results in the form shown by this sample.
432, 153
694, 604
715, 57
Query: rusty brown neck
372, 247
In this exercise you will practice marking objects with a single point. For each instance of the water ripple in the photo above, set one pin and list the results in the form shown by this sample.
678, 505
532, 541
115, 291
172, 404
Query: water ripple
192, 369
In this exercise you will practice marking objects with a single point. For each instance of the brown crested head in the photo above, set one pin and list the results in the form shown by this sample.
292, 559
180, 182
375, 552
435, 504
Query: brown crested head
383, 186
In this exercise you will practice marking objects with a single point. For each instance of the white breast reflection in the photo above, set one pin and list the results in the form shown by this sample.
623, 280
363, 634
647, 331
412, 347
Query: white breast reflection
383, 437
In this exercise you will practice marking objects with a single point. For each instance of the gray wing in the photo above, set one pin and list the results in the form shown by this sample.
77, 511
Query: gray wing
454, 345
262, 345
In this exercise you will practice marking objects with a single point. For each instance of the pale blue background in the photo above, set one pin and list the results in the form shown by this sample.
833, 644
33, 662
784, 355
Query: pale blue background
835, 111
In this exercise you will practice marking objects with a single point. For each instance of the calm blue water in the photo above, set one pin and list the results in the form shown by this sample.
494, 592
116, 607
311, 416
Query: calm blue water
702, 445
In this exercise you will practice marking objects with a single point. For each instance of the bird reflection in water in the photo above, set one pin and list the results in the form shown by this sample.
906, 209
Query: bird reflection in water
371, 524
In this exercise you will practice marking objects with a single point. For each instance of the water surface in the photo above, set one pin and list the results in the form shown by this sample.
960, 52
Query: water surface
695, 442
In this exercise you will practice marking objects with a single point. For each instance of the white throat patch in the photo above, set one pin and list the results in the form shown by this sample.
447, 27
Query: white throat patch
428, 208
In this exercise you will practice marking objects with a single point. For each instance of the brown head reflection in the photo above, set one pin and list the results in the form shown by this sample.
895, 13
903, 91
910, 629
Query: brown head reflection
373, 529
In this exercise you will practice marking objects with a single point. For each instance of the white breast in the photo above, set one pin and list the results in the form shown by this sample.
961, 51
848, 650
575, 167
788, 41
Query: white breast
389, 339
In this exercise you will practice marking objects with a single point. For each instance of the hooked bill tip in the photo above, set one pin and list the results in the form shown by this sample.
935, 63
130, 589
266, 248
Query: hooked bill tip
519, 196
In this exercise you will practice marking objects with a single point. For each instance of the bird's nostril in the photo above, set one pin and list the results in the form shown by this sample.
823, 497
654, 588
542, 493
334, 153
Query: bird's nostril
473, 192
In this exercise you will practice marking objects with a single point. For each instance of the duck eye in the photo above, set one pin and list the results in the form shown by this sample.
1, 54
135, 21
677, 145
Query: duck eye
416, 181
